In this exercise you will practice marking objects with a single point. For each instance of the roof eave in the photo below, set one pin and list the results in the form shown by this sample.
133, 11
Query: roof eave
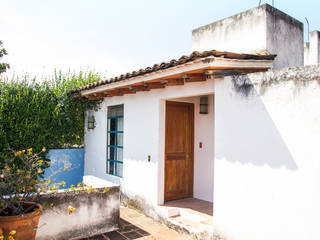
207, 63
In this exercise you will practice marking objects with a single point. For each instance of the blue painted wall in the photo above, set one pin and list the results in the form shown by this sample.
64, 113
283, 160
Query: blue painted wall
73, 159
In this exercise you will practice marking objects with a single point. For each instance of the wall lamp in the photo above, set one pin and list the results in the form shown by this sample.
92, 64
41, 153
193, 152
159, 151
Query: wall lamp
204, 105
91, 122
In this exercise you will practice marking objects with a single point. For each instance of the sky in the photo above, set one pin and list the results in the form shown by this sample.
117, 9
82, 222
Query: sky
115, 37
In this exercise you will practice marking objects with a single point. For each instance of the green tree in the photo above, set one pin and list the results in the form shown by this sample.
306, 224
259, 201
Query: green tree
3, 52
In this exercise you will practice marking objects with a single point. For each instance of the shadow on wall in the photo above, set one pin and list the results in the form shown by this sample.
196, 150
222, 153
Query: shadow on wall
245, 132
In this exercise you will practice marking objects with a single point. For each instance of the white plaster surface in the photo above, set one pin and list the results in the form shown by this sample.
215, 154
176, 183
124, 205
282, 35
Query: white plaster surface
312, 49
266, 172
261, 29
144, 128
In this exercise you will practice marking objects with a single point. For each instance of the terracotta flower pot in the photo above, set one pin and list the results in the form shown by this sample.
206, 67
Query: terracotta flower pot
25, 225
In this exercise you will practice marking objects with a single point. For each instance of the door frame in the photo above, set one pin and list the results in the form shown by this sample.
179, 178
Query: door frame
191, 115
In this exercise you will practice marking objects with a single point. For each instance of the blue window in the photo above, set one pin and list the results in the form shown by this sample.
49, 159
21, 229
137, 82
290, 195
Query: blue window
115, 140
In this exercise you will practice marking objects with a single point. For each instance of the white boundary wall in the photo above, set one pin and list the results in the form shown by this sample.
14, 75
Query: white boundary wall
267, 168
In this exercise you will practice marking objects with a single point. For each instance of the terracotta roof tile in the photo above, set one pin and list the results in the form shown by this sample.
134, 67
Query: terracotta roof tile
175, 62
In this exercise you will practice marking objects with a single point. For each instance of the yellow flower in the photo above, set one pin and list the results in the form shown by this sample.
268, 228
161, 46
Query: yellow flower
23, 151
63, 183
18, 153
40, 162
18, 171
10, 238
1, 176
13, 232
1, 237
29, 150
71, 209
106, 189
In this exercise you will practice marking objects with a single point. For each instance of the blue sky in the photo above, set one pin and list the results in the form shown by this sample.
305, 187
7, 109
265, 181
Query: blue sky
115, 37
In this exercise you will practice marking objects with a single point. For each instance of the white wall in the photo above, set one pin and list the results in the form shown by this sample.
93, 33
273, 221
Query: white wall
262, 29
203, 157
312, 49
144, 134
266, 172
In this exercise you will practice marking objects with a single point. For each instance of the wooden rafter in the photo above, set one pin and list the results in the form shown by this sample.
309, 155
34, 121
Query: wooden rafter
141, 87
127, 90
175, 82
114, 92
147, 86
195, 77
155, 85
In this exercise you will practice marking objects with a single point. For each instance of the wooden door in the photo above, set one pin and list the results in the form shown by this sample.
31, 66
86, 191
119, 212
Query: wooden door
179, 150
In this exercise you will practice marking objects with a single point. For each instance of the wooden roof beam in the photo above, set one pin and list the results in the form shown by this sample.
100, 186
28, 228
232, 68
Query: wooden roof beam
175, 82
128, 90
92, 98
114, 92
155, 85
218, 73
195, 77
139, 88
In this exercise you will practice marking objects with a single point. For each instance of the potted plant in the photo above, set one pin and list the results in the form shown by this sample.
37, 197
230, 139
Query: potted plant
20, 180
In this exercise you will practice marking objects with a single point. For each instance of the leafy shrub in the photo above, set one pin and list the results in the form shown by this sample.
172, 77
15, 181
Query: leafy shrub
41, 112
18, 183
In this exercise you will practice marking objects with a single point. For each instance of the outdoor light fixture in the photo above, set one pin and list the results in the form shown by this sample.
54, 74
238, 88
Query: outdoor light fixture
204, 105
91, 122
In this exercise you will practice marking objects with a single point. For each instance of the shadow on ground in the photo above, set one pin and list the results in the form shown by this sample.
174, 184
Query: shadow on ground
127, 231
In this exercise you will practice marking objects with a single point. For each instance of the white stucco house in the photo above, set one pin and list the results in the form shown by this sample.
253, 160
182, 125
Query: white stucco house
200, 127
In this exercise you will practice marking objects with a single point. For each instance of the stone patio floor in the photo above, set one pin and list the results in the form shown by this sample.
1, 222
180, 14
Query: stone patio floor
134, 225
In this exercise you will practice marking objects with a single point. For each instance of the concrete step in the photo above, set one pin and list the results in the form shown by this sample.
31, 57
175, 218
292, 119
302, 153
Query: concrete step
192, 221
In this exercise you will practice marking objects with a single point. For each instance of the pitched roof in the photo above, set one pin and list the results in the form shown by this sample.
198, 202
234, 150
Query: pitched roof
175, 62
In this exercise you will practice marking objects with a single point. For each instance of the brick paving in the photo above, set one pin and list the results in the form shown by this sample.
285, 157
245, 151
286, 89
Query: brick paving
134, 225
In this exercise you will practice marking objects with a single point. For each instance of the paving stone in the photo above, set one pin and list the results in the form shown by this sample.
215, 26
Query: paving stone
115, 236
142, 232
133, 235
128, 228
98, 237
123, 222
136, 226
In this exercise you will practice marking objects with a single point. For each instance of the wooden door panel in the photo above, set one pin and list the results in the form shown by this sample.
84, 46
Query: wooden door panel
179, 150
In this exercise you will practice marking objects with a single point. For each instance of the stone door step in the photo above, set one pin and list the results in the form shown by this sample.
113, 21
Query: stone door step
191, 221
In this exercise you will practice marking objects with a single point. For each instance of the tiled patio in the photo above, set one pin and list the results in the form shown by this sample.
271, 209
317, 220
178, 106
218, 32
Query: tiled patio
134, 225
